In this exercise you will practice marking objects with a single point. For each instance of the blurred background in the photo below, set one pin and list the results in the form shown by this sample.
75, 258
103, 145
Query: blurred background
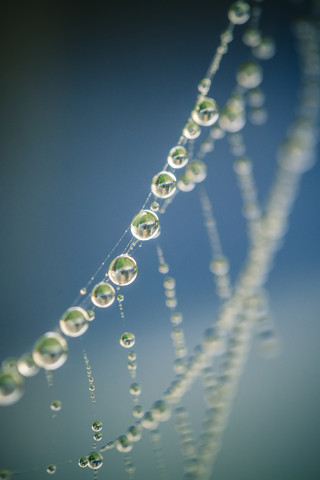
93, 96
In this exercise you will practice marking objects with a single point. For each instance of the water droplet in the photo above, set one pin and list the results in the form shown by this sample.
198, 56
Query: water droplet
91, 315
154, 206
132, 355
83, 291
132, 365
5, 475
97, 436
191, 130
83, 462
26, 366
176, 318
232, 118
120, 298
239, 13
171, 302
163, 184
169, 283
149, 422
251, 37
138, 411
160, 411
134, 433
56, 406
184, 183
50, 351
123, 444
123, 270
95, 460
51, 469
216, 132
10, 365
135, 389
103, 295
164, 268
219, 266
127, 340
178, 157
266, 48
97, 426
74, 322
242, 165
204, 86
196, 171
92, 388
205, 112
249, 74
145, 225
258, 116
11, 387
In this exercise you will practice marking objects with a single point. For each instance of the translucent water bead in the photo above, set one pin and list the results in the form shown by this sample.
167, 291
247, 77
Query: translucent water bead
56, 406
26, 366
123, 444
83, 462
185, 184
178, 157
251, 37
50, 351
97, 426
95, 460
103, 295
163, 184
196, 171
11, 388
249, 74
145, 225
205, 112
74, 322
127, 340
191, 130
219, 265
123, 270
239, 13
154, 206
266, 48
232, 118
51, 469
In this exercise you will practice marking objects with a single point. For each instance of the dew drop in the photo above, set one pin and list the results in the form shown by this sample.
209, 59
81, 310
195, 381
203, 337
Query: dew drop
123, 444
164, 268
154, 206
135, 389
239, 13
127, 340
178, 157
83, 462
11, 387
83, 291
205, 112
97, 426
184, 183
51, 469
95, 460
91, 315
50, 351
56, 406
249, 74
145, 225
103, 295
163, 184
123, 270
196, 171
191, 130
97, 436
26, 366
138, 411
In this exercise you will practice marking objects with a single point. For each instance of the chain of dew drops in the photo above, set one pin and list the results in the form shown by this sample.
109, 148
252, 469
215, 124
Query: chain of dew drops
265, 237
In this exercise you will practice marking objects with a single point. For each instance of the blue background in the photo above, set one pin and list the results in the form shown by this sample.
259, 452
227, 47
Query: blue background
92, 99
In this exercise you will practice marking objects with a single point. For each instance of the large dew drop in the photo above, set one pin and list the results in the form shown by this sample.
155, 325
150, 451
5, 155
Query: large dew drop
74, 322
50, 351
249, 74
123, 270
163, 185
11, 388
103, 295
178, 157
239, 13
205, 112
145, 225
95, 460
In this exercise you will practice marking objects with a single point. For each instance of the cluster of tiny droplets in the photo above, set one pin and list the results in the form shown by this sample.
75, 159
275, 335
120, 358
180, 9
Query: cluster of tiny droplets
186, 438
90, 377
219, 264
